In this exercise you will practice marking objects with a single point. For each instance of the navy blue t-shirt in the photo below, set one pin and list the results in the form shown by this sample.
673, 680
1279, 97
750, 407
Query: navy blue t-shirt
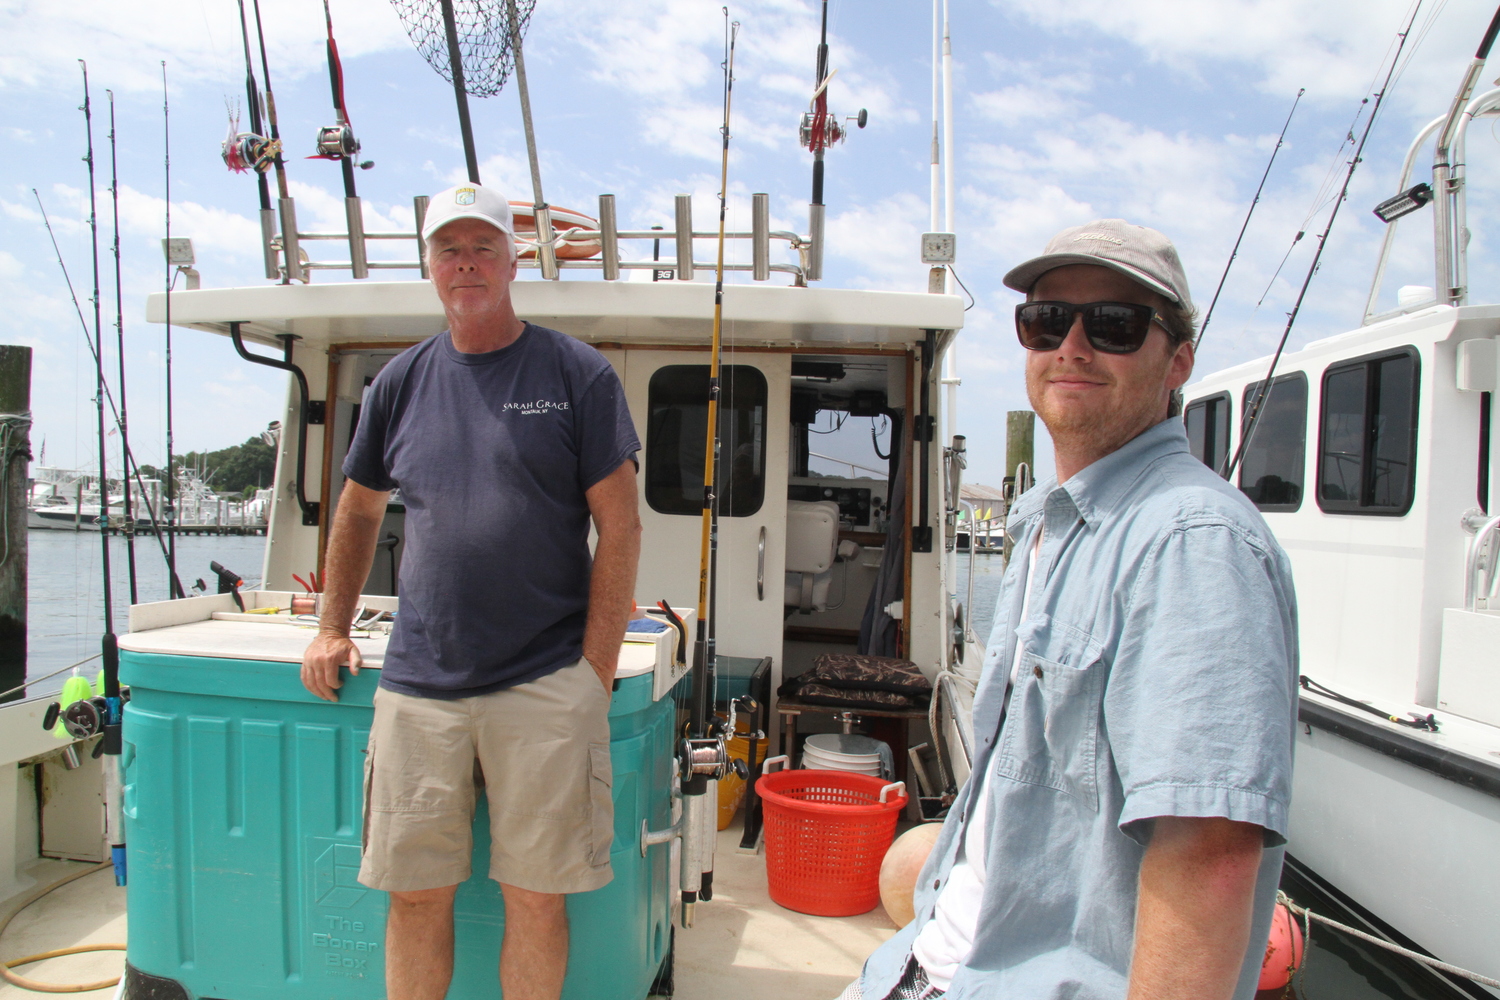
493, 454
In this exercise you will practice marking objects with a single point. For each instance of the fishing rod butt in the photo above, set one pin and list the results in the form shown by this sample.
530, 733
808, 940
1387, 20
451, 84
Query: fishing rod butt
814, 268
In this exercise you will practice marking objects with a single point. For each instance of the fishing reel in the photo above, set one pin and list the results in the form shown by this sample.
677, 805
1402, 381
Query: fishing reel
708, 756
821, 130
82, 719
337, 142
244, 151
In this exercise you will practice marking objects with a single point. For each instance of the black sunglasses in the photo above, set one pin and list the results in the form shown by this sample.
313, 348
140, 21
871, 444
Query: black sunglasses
1111, 327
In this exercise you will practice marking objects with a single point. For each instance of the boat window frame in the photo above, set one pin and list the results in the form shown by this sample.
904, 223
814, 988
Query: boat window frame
728, 373
1371, 362
1294, 376
1203, 401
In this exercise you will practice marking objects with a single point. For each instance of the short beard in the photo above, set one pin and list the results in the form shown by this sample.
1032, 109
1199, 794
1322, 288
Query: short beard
1095, 433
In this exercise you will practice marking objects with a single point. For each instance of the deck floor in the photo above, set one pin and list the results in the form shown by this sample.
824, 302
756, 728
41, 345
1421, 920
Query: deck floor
89, 910
741, 943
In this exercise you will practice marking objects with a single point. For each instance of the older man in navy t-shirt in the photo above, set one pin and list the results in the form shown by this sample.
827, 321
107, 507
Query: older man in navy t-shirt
505, 440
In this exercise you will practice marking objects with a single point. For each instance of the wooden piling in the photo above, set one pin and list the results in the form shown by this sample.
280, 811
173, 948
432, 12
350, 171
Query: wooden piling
15, 412
1020, 446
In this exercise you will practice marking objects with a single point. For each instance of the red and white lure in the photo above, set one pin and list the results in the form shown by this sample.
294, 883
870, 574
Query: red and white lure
246, 151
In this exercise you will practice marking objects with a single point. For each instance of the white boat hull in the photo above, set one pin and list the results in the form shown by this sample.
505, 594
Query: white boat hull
1420, 850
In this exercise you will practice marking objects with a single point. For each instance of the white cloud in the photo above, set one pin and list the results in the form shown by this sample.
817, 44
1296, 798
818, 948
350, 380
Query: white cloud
125, 43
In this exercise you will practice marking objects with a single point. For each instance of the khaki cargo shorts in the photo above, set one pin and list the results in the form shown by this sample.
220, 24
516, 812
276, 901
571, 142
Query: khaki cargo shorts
540, 751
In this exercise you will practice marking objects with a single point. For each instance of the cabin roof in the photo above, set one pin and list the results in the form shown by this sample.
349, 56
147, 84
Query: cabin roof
670, 312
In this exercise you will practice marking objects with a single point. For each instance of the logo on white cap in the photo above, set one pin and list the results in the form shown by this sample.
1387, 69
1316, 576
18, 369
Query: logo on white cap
464, 196
1101, 237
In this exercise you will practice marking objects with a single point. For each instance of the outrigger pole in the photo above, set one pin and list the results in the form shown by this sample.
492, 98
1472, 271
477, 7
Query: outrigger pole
541, 215
703, 765
109, 646
174, 584
114, 193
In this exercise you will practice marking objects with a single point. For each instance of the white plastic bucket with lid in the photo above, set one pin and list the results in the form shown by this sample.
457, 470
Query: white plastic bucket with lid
843, 752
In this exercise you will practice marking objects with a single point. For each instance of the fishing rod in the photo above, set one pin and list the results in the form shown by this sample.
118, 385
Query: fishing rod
820, 130
1280, 140
122, 419
251, 151
109, 647
289, 249
1252, 420
174, 585
132, 466
337, 142
703, 755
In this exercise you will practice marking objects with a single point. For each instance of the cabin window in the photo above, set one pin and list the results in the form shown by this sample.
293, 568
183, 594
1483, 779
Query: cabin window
676, 427
1271, 471
1207, 422
1367, 435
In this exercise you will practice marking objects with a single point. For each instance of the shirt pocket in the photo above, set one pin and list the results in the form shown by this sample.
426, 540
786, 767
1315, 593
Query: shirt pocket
1051, 732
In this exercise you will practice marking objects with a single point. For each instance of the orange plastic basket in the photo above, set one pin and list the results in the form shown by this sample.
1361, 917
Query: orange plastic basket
826, 834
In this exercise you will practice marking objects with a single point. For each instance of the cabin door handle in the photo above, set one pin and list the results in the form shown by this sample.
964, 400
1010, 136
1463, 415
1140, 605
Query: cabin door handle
760, 566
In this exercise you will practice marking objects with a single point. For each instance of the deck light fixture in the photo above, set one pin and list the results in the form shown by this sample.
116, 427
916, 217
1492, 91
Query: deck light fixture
1405, 203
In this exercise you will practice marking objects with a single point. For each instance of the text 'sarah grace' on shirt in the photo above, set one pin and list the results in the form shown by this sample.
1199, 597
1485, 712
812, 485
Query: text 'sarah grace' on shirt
486, 450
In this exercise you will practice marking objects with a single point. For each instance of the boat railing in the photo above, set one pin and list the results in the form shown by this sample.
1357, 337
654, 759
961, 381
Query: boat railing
1482, 561
287, 260
1450, 209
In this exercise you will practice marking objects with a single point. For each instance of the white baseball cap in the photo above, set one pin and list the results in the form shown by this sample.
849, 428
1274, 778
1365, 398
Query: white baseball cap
467, 201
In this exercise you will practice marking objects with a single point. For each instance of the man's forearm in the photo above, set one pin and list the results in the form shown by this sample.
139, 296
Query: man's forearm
1193, 916
611, 596
351, 551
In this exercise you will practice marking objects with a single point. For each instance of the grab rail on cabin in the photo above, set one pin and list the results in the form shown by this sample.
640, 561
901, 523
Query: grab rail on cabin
603, 242
1482, 561
1450, 213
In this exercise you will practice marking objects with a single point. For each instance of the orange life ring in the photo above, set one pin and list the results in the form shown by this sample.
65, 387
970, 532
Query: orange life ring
563, 219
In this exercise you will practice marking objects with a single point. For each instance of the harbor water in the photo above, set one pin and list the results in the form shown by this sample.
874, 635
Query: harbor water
65, 604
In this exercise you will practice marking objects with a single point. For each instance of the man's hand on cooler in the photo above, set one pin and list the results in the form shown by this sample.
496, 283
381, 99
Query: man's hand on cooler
321, 662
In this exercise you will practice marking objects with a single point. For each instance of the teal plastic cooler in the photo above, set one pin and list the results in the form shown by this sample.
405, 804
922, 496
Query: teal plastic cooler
243, 804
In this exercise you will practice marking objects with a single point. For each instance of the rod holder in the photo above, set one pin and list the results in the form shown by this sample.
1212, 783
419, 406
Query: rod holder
546, 250
760, 236
684, 237
419, 212
815, 242
609, 238
291, 249
268, 242
355, 215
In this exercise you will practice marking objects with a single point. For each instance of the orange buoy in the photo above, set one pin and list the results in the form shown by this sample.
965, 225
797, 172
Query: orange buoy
898, 872
563, 219
1284, 950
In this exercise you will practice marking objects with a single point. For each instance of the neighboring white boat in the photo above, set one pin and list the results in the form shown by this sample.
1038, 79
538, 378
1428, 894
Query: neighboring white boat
1373, 464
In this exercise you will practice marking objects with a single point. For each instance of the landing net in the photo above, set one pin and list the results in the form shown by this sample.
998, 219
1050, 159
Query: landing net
483, 38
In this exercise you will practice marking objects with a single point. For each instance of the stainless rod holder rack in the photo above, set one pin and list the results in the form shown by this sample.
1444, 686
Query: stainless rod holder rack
268, 243
684, 237
419, 213
609, 238
760, 238
291, 250
355, 216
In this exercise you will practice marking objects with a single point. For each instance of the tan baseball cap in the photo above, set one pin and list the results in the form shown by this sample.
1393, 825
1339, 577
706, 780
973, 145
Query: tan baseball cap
467, 201
1141, 254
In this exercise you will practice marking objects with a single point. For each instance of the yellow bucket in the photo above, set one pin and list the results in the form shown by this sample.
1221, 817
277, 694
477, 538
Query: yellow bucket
732, 786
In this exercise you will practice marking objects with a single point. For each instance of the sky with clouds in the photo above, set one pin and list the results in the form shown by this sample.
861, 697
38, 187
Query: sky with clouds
1163, 112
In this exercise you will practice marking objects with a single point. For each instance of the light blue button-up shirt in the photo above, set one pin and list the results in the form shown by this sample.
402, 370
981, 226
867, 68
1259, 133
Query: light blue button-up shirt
1158, 678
